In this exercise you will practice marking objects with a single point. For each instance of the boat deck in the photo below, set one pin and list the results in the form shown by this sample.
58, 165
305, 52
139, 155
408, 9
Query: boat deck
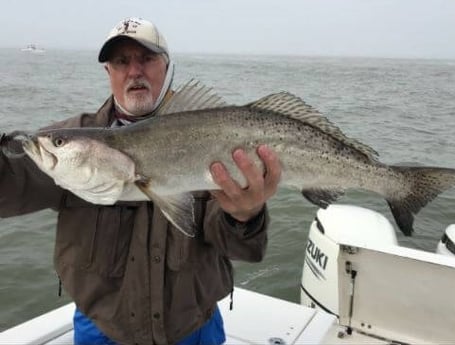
254, 319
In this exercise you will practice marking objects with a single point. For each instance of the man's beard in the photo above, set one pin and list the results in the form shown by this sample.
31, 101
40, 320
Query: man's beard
139, 104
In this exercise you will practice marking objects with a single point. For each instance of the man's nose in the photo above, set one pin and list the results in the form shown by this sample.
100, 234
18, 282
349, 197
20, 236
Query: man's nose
135, 67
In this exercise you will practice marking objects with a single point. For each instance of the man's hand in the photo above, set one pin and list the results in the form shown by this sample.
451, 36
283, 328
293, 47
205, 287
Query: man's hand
11, 144
245, 203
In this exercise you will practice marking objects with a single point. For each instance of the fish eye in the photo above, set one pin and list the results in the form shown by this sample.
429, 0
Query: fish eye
58, 142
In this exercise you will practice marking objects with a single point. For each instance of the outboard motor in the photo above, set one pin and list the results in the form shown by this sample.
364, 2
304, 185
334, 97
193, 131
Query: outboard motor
378, 290
446, 245
346, 224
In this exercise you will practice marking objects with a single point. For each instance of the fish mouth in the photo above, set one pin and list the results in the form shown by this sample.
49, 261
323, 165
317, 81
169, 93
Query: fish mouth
37, 151
30, 146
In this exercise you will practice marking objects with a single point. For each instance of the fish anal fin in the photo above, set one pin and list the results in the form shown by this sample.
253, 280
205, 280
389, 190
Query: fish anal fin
178, 209
322, 197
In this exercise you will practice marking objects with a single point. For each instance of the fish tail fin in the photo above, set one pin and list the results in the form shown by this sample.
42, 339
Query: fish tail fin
425, 183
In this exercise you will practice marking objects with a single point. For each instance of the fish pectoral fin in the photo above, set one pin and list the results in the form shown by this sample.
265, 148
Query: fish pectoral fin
178, 209
322, 197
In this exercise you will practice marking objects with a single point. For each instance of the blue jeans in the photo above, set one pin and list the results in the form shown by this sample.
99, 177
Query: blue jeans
211, 333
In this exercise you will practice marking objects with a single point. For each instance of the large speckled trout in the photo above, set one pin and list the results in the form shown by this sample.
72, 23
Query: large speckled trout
165, 157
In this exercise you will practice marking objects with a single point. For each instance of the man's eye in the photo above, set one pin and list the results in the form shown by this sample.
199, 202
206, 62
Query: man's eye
150, 57
121, 61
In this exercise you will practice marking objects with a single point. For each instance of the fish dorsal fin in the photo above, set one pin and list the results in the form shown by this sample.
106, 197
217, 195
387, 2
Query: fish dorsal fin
191, 96
294, 107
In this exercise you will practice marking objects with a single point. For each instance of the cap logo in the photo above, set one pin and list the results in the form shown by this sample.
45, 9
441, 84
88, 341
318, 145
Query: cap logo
128, 27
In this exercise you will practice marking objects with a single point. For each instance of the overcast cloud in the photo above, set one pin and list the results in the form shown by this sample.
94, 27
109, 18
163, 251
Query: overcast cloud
387, 28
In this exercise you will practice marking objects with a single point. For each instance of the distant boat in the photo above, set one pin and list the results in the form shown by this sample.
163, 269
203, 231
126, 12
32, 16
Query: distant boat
32, 48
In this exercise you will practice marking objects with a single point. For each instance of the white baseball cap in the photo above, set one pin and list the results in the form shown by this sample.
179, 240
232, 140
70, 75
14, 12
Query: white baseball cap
140, 30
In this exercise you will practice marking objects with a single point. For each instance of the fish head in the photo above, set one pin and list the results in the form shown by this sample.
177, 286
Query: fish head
56, 154
87, 167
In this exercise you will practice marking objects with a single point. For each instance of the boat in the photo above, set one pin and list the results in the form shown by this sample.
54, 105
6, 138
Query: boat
32, 48
358, 286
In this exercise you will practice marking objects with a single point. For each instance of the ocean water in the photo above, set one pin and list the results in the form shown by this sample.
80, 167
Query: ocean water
405, 109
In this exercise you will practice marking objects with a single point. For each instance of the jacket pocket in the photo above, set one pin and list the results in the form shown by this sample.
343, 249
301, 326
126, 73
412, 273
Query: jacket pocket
94, 238
178, 249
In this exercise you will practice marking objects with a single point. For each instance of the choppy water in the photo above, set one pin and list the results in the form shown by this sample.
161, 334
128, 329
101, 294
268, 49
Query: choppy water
405, 109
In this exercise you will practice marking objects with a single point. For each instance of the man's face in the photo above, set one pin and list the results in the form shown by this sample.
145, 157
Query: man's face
137, 76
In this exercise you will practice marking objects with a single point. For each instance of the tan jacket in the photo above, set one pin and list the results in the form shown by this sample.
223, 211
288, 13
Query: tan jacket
138, 278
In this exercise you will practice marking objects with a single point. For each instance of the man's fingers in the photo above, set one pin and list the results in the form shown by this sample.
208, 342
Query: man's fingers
222, 178
251, 172
273, 169
244, 203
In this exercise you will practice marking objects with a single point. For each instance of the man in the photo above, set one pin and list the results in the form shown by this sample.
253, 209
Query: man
134, 278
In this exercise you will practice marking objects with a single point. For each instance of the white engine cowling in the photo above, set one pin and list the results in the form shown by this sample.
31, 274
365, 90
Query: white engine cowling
338, 224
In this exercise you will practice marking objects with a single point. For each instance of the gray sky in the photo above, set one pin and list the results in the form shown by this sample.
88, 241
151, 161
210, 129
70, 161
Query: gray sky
384, 28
